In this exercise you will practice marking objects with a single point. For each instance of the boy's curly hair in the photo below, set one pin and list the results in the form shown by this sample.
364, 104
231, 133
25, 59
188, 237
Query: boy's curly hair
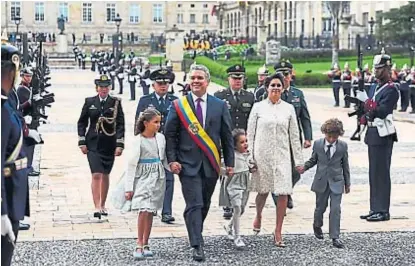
333, 126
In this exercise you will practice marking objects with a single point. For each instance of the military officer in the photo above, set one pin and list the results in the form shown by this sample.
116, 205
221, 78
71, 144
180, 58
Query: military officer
162, 101
240, 103
379, 108
132, 79
262, 75
335, 76
346, 83
296, 97
104, 139
14, 182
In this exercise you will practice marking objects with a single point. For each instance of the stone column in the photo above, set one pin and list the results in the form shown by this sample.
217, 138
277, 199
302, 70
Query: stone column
343, 34
262, 38
174, 47
62, 44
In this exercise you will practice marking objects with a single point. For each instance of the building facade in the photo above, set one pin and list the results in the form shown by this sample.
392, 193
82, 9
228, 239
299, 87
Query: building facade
93, 18
292, 19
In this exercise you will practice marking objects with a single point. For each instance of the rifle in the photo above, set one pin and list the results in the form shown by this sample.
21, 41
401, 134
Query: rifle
360, 106
245, 77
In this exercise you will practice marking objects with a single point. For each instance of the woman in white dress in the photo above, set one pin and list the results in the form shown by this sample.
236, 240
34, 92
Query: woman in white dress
272, 132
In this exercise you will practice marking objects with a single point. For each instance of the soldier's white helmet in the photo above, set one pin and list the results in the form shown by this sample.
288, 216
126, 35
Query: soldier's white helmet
393, 67
413, 69
405, 67
346, 65
262, 70
169, 64
366, 67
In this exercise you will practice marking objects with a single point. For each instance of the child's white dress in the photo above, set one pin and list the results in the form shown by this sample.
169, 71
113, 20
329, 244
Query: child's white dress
145, 176
234, 190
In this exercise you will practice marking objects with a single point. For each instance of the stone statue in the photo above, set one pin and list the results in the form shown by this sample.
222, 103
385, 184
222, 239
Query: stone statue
273, 52
61, 24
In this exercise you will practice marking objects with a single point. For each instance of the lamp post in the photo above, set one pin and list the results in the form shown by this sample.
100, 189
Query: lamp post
118, 20
17, 20
116, 38
371, 24
412, 47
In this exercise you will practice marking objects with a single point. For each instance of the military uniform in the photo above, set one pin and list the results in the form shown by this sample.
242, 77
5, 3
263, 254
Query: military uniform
106, 130
335, 76
132, 80
162, 103
346, 83
260, 89
382, 98
120, 76
14, 182
144, 80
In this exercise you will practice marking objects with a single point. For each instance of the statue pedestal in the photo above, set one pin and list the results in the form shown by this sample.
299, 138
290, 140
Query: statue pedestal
62, 44
273, 52
174, 47
262, 39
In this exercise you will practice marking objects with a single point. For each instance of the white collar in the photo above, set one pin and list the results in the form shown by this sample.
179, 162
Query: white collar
326, 143
204, 97
100, 99
233, 91
158, 96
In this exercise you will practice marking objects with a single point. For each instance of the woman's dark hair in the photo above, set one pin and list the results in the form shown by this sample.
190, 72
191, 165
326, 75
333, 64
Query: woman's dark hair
277, 75
236, 133
147, 115
333, 126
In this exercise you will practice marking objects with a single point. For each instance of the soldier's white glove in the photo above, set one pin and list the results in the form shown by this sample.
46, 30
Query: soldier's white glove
37, 97
361, 96
44, 121
34, 135
28, 119
7, 228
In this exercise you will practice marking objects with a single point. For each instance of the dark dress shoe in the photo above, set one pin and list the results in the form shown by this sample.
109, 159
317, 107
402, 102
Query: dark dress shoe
97, 215
290, 203
402, 110
364, 217
378, 217
336, 105
34, 173
167, 218
198, 254
337, 243
318, 232
23, 226
104, 213
227, 213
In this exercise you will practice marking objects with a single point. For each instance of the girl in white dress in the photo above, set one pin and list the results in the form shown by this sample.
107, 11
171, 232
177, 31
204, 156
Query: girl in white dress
144, 179
234, 191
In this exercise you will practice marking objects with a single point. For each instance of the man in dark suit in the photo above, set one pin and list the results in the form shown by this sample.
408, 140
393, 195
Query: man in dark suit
14, 182
198, 127
161, 100
379, 109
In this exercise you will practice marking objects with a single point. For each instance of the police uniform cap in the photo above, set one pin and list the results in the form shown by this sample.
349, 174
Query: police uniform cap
103, 81
283, 66
162, 75
236, 71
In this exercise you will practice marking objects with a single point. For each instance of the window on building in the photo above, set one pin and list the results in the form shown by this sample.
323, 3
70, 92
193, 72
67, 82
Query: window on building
87, 12
275, 29
365, 19
269, 29
290, 11
285, 10
192, 18
290, 29
64, 11
275, 12
269, 14
158, 13
192, 5
205, 5
88, 37
111, 12
14, 10
135, 12
180, 19
239, 19
39, 11
205, 19
179, 5
346, 7
285, 28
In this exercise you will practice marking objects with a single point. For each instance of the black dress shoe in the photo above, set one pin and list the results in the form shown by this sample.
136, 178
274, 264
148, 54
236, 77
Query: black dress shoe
198, 254
290, 203
104, 212
97, 215
167, 218
23, 226
336, 105
34, 173
337, 243
378, 217
318, 232
402, 110
364, 217
227, 213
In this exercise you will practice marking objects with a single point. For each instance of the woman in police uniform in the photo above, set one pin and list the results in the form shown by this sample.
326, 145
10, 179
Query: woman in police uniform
104, 139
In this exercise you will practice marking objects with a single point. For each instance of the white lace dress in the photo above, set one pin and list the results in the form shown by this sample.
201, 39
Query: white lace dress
272, 128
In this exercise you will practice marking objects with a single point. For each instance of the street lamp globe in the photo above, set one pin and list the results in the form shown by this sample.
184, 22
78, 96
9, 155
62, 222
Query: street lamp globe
118, 20
17, 20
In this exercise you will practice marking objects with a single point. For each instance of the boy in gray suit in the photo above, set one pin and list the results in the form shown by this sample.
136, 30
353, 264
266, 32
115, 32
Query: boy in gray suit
331, 179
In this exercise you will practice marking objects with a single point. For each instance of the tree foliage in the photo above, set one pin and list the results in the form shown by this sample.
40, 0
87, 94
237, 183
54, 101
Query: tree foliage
399, 25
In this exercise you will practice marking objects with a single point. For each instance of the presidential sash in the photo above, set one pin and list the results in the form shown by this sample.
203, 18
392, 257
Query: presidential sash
196, 131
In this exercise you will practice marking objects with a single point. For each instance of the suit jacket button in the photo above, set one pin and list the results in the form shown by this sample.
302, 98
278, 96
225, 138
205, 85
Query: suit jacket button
100, 131
237, 117
237, 110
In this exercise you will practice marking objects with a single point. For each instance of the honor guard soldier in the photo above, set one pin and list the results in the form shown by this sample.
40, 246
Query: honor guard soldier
145, 79
132, 79
335, 76
404, 88
346, 83
262, 75
112, 73
103, 116
368, 78
239, 102
120, 75
355, 81
295, 97
14, 182
380, 137
161, 100
411, 81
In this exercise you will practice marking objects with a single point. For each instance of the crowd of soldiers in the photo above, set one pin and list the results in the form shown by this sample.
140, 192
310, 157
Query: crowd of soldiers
23, 111
404, 79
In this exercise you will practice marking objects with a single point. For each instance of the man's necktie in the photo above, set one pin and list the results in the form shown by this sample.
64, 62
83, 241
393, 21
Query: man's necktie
237, 97
162, 103
199, 111
328, 152
285, 95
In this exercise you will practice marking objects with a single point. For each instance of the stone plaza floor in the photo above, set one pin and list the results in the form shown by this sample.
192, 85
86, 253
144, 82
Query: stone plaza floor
62, 208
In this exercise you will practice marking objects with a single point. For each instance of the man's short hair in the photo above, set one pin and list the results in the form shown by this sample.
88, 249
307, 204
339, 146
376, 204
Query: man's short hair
195, 67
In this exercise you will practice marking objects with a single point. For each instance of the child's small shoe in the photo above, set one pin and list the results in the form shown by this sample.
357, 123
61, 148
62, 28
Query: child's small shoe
239, 243
138, 253
147, 252
229, 232
337, 243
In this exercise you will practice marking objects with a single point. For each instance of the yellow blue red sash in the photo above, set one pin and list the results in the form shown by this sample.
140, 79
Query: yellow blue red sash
196, 131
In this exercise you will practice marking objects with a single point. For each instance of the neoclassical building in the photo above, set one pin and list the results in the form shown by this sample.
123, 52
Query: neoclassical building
93, 18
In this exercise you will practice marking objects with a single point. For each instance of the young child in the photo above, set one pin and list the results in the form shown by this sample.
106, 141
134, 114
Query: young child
234, 190
144, 179
332, 177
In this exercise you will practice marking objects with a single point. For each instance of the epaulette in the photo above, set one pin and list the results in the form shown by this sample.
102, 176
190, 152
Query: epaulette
115, 98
